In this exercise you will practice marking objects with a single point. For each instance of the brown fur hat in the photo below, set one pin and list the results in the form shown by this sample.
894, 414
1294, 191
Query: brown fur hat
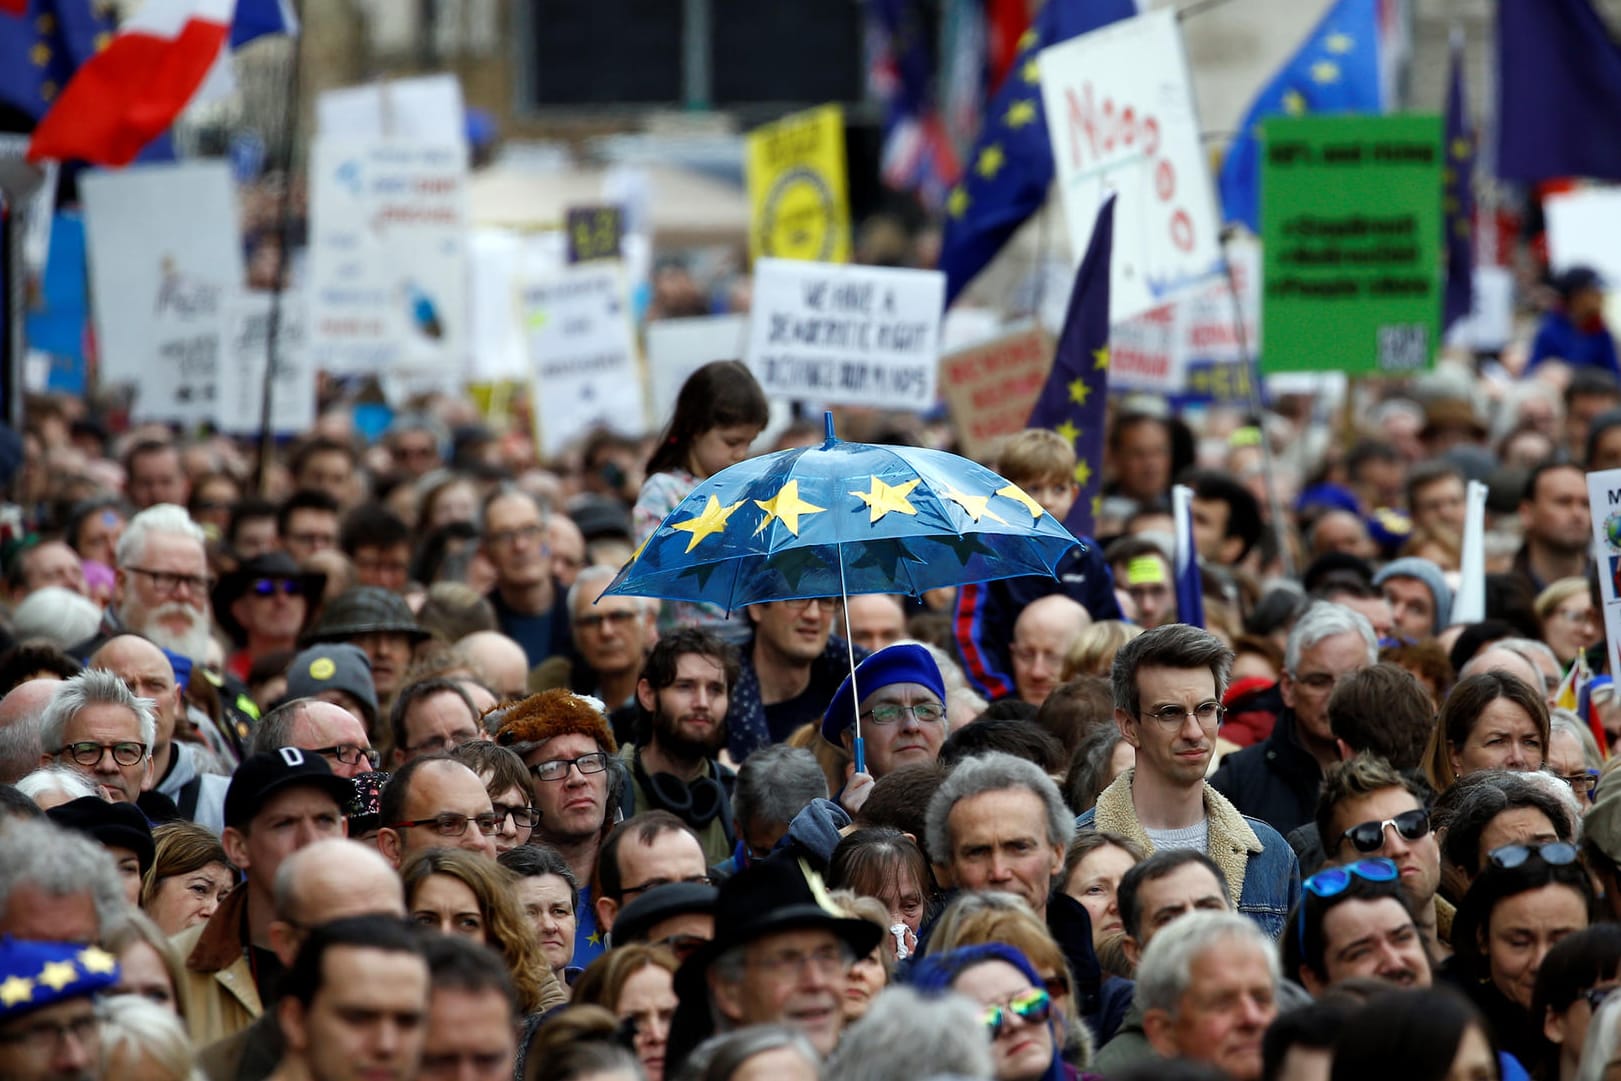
558, 712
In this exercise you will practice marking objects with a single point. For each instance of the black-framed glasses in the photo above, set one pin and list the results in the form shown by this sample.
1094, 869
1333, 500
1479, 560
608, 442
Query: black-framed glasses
1370, 836
1033, 1007
453, 825
443, 744
269, 587
1554, 854
557, 768
168, 582
525, 818
348, 754
655, 883
1208, 714
886, 713
1333, 881
87, 752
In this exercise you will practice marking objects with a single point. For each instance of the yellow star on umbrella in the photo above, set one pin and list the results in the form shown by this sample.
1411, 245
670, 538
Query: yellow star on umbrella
976, 506
57, 974
787, 506
1100, 359
712, 520
1017, 494
1078, 390
884, 498
1068, 432
16, 990
97, 961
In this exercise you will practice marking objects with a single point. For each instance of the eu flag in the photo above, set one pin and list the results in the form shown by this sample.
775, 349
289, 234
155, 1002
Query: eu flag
41, 48
1010, 167
1458, 199
1072, 401
1335, 71
1189, 581
917, 153
1559, 92
256, 18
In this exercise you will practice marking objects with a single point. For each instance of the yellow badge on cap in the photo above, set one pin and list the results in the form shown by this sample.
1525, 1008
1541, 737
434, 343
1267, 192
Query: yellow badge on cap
1145, 571
322, 668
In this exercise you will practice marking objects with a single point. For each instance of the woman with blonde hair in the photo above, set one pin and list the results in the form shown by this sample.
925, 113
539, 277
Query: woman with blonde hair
1569, 622
467, 893
869, 975
1092, 653
636, 983
148, 964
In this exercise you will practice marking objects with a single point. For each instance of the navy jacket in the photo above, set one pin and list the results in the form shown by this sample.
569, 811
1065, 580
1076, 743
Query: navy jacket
1276, 780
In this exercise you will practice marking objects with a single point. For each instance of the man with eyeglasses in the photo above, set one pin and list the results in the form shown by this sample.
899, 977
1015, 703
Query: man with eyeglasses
149, 674
789, 668
642, 853
432, 716
1353, 920
674, 765
1042, 636
49, 1030
902, 713
1277, 780
1369, 809
525, 594
613, 636
565, 741
96, 725
381, 624
161, 584
1168, 684
435, 802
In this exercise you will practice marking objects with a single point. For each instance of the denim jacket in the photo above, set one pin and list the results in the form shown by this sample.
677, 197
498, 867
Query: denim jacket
1263, 875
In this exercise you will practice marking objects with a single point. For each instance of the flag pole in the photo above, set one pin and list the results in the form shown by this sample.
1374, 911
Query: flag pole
1258, 407
284, 213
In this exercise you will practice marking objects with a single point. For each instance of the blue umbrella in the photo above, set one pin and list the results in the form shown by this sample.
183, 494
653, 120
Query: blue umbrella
843, 518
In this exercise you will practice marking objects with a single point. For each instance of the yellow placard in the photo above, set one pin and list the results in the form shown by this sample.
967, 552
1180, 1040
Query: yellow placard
799, 202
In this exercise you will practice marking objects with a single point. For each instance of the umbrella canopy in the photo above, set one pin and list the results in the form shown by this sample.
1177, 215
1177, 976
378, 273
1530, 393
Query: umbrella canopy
839, 519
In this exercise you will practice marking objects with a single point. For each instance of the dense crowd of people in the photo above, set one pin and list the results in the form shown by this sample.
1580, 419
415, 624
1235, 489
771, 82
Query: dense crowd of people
342, 765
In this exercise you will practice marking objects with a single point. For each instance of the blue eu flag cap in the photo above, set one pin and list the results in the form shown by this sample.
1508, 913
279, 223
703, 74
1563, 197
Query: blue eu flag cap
34, 975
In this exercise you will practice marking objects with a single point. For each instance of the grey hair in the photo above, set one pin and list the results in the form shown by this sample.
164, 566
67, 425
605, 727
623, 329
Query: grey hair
1530, 649
1321, 620
1561, 791
907, 1034
1563, 720
588, 578
1175, 645
275, 729
56, 778
775, 783
59, 863
162, 518
19, 748
135, 1028
718, 1058
1166, 969
93, 687
992, 772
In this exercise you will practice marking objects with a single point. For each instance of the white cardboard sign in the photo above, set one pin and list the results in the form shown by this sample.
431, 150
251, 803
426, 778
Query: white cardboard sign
582, 354
1604, 501
846, 335
247, 351
678, 347
1121, 120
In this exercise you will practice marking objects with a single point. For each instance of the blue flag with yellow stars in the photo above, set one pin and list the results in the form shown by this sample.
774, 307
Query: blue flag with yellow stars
1007, 173
42, 48
1458, 199
1336, 71
1073, 400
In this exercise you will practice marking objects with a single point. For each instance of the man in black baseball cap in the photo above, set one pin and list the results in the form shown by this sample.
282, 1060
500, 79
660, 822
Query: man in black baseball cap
279, 802
782, 953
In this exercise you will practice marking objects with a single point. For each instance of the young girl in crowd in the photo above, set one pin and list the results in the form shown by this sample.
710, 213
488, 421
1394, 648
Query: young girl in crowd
719, 413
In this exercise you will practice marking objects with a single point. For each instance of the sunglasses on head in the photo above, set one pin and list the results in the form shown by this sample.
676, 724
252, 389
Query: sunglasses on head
1333, 881
1370, 836
1554, 854
1034, 1006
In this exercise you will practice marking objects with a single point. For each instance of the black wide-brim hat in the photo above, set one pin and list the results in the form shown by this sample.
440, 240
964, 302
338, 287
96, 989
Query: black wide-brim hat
275, 564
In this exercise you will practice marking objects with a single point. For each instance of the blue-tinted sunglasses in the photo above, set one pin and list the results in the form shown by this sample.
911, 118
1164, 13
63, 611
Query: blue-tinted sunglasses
1333, 881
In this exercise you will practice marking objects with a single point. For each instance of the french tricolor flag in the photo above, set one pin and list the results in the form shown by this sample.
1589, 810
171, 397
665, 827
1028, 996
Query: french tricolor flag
131, 92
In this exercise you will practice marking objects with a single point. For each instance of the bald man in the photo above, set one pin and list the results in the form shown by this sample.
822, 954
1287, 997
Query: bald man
1042, 637
19, 727
148, 673
875, 620
500, 660
1498, 659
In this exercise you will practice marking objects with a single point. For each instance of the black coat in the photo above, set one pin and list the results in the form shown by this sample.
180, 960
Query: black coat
1276, 781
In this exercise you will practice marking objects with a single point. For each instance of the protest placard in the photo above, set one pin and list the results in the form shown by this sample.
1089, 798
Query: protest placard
991, 388
165, 255
1351, 235
1584, 229
582, 355
1121, 120
594, 232
388, 257
1604, 503
846, 335
427, 109
799, 206
678, 347
247, 351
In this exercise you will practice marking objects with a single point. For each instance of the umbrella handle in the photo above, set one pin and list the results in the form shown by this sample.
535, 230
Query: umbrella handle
859, 746
861, 754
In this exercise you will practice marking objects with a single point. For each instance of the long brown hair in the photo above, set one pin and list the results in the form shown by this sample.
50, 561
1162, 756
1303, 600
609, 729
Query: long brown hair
1462, 711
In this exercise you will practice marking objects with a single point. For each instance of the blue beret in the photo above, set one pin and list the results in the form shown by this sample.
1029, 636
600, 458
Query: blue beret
903, 663
34, 975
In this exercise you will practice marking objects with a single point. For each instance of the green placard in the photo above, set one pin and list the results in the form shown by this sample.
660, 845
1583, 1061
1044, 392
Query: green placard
1351, 230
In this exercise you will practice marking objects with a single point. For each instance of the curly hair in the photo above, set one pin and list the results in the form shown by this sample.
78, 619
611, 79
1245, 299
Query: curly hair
506, 928
553, 713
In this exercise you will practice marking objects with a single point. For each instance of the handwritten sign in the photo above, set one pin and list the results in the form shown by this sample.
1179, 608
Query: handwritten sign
1604, 502
583, 354
1121, 119
799, 204
991, 388
388, 256
1351, 231
247, 352
594, 232
846, 335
